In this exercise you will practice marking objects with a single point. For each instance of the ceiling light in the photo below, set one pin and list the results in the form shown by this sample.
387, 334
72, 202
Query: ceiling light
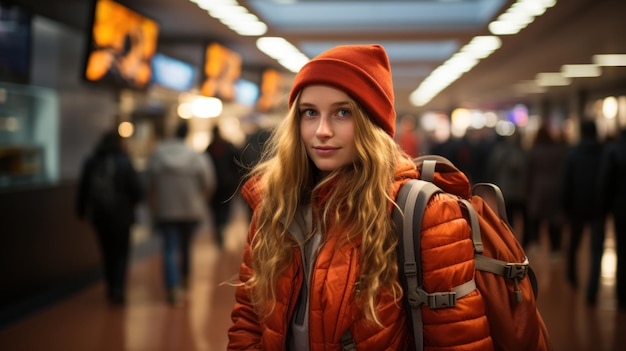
249, 28
609, 107
227, 11
522, 18
282, 51
505, 128
184, 110
529, 87
274, 46
552, 79
519, 15
463, 61
206, 107
238, 18
294, 65
234, 16
504, 28
610, 60
212, 4
482, 46
574, 71
531, 8
125, 129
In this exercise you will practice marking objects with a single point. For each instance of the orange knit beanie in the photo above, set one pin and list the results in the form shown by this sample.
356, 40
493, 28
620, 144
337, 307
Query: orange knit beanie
362, 71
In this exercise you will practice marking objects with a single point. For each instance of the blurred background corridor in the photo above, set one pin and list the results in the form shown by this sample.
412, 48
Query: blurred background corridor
503, 88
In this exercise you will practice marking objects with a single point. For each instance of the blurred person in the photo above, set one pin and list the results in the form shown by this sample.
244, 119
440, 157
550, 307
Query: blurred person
469, 153
612, 201
108, 191
181, 181
506, 165
320, 262
448, 148
475, 148
224, 156
580, 176
408, 139
253, 149
543, 176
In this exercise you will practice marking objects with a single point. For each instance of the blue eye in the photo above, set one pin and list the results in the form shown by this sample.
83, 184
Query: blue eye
343, 113
308, 113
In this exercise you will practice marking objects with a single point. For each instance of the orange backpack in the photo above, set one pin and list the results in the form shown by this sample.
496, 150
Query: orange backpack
503, 278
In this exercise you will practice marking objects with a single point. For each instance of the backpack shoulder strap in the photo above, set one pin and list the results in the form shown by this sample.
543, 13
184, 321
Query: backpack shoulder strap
492, 194
410, 216
347, 342
412, 200
428, 170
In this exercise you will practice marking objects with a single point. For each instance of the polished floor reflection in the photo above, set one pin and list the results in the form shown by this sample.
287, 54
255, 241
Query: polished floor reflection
85, 322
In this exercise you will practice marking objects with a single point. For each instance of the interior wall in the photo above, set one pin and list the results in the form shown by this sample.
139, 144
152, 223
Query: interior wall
85, 109
44, 248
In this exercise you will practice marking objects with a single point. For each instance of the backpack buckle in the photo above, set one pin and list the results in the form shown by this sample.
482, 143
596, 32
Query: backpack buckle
442, 300
433, 301
516, 270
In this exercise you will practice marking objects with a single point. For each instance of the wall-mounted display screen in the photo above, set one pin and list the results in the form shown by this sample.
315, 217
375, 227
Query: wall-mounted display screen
246, 92
121, 45
271, 90
173, 74
222, 69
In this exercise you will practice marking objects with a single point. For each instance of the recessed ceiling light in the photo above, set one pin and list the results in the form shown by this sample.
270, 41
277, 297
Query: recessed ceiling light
574, 71
610, 60
552, 79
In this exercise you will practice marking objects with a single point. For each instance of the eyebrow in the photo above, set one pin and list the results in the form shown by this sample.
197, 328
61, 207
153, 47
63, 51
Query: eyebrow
334, 104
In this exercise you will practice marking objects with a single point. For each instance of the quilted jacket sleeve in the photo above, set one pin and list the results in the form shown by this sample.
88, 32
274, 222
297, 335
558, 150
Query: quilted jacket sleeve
245, 333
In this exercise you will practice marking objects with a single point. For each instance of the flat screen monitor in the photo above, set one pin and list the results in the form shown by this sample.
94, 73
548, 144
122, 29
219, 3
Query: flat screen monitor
271, 91
173, 74
246, 92
15, 42
222, 69
121, 45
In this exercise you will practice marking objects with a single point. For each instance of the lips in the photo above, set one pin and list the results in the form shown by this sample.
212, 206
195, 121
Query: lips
325, 150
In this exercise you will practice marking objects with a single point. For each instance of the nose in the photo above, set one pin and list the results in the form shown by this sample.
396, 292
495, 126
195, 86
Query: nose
324, 128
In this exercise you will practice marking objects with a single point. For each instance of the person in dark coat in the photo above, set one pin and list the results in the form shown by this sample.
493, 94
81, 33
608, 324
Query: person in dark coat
224, 155
543, 177
612, 189
109, 189
505, 168
578, 197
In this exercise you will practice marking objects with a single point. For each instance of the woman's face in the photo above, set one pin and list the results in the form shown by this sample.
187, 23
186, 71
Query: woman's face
327, 126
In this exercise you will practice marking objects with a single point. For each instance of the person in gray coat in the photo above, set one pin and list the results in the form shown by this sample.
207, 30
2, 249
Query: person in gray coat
181, 180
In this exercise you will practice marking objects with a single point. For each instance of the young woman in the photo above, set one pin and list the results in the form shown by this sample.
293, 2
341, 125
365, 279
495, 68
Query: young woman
320, 262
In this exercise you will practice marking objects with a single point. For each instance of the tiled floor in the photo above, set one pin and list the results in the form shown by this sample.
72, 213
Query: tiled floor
85, 322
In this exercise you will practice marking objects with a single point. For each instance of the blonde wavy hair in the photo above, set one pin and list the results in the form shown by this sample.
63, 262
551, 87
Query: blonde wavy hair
288, 180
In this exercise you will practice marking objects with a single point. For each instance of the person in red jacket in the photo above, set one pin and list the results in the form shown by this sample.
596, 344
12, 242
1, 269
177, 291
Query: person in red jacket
320, 267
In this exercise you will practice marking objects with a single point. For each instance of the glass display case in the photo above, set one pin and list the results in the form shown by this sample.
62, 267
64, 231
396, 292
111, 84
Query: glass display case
29, 132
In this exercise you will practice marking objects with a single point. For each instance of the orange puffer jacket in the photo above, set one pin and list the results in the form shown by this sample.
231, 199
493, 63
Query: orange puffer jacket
332, 304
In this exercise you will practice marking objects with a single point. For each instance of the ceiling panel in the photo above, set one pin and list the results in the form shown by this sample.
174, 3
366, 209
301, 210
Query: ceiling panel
419, 36
374, 16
